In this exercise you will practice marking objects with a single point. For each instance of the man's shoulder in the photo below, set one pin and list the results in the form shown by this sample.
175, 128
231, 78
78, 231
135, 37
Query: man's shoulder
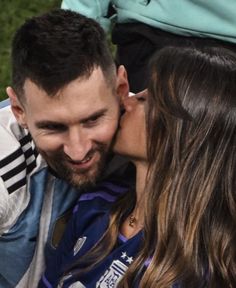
18, 156
5, 103
9, 125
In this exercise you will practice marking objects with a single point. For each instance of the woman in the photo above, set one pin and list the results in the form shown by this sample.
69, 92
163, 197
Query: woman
178, 228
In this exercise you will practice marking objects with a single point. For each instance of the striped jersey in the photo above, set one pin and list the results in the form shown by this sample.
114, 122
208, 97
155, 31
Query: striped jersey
31, 201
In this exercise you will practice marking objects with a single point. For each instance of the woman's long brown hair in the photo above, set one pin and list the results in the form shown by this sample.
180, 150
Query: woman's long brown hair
191, 233
190, 221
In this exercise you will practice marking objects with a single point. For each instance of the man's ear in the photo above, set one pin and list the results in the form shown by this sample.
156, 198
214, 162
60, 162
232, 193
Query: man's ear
16, 107
122, 84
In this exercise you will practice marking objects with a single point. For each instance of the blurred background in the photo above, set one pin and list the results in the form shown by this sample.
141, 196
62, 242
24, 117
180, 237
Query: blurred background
12, 14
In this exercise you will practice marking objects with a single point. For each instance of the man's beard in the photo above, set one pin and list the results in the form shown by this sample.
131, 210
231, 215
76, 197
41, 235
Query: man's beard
79, 178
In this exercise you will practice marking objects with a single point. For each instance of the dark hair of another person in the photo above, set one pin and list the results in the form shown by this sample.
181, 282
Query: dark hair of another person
190, 206
55, 48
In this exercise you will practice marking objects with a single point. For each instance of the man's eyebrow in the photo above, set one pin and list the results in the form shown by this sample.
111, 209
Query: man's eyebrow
45, 123
96, 114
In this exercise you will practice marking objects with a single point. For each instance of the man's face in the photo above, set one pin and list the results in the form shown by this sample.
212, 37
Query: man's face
73, 130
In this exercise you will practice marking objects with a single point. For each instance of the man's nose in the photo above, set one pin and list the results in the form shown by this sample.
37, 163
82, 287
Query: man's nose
77, 145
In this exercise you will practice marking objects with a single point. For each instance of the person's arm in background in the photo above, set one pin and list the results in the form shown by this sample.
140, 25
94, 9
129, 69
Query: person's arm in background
96, 9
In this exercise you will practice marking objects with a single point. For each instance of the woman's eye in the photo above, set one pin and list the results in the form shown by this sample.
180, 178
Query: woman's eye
141, 98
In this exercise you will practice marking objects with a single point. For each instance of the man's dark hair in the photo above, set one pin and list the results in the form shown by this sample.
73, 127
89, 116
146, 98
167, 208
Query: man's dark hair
57, 47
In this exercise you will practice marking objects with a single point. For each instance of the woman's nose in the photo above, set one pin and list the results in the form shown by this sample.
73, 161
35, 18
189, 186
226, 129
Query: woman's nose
129, 102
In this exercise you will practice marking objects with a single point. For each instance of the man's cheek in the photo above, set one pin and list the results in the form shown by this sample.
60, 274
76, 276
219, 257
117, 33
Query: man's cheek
107, 133
48, 145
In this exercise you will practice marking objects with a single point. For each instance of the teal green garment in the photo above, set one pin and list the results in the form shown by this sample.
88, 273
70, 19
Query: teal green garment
200, 18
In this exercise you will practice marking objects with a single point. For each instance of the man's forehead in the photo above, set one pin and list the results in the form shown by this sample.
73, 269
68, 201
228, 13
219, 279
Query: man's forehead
30, 88
96, 78
73, 104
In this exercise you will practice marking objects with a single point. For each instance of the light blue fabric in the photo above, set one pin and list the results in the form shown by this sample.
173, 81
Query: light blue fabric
201, 18
4, 103
17, 246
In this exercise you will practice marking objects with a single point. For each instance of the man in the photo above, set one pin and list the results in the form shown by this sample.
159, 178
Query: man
55, 135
